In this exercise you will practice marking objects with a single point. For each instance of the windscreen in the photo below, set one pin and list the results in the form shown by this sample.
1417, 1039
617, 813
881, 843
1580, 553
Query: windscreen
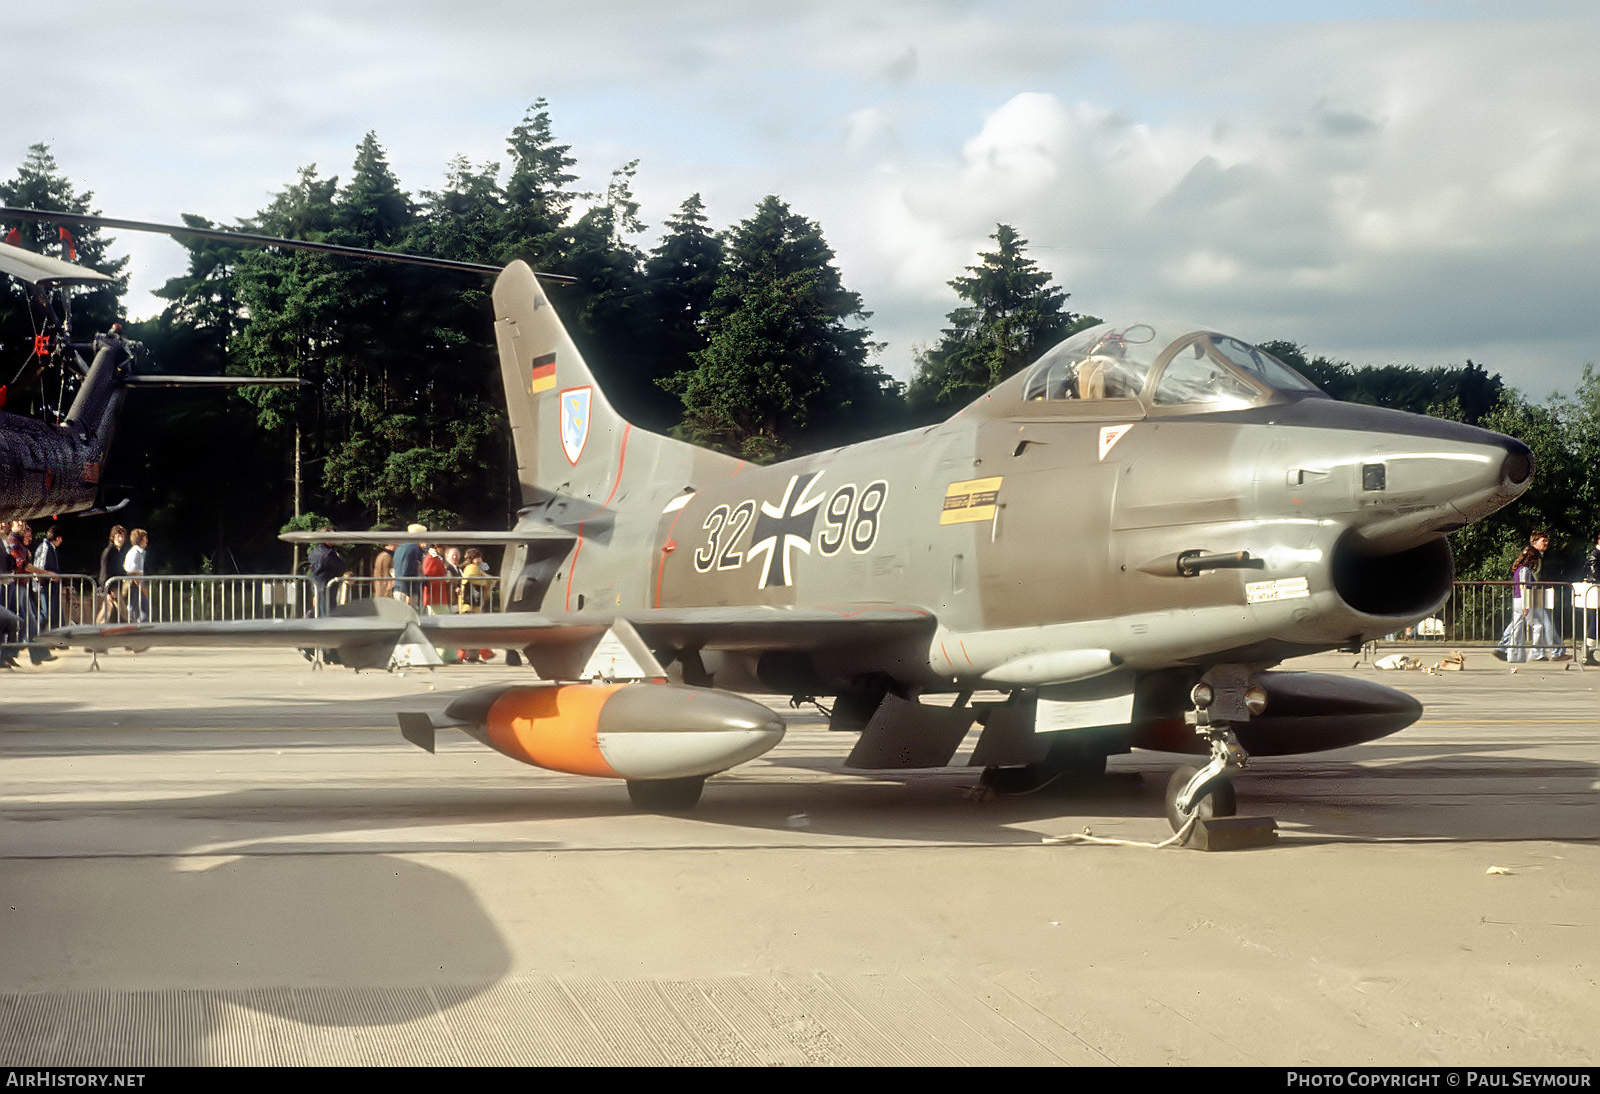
1163, 364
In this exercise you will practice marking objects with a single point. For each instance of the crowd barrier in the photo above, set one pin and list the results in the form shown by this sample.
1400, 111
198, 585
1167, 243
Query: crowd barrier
1552, 619
441, 592
41, 603
207, 598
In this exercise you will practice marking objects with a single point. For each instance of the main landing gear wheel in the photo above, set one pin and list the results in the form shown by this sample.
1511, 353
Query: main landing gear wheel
1218, 800
666, 795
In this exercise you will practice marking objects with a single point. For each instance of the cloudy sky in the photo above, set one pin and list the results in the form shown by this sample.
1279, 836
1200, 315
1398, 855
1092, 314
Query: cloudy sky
1411, 181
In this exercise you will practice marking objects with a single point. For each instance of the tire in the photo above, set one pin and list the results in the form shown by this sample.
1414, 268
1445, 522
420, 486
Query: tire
666, 795
1220, 801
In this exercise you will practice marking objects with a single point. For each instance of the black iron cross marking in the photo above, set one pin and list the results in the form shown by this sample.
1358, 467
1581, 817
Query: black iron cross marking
786, 525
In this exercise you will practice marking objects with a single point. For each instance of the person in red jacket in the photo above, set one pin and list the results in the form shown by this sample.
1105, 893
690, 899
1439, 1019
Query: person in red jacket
438, 592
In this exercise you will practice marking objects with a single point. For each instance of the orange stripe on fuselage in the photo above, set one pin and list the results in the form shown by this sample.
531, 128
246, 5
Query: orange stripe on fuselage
667, 546
556, 728
622, 461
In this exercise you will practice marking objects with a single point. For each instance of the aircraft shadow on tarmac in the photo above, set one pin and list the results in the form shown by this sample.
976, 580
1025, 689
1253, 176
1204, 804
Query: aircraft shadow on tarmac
373, 937
1384, 790
373, 940
1450, 794
368, 935
1446, 793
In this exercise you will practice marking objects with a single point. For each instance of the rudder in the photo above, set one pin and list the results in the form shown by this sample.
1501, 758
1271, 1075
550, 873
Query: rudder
566, 434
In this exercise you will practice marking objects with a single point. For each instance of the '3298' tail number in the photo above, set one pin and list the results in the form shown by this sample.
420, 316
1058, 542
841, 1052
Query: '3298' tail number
852, 516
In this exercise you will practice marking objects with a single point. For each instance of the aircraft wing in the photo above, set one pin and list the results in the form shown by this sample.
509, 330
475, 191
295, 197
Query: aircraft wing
747, 627
367, 632
459, 539
329, 632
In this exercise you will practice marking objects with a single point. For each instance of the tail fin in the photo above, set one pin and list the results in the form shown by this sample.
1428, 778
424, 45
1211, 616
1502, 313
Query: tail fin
569, 439
567, 436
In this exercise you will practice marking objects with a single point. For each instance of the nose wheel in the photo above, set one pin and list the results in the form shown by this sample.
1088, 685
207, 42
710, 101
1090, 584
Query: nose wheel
1206, 795
1223, 697
1200, 800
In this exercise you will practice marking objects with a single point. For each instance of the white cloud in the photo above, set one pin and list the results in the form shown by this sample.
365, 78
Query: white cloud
1378, 188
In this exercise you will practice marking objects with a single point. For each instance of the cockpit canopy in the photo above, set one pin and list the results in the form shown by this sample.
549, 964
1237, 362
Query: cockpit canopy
1162, 366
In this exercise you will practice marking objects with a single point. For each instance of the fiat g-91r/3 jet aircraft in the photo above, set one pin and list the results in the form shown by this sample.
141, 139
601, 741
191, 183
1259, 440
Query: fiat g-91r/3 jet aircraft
1125, 539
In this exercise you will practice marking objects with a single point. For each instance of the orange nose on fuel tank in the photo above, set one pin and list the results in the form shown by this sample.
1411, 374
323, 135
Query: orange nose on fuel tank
630, 731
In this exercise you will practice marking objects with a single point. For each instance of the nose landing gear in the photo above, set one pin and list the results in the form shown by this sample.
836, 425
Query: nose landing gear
1200, 802
1201, 793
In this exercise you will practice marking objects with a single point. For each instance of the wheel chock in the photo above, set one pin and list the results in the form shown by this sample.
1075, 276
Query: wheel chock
1233, 833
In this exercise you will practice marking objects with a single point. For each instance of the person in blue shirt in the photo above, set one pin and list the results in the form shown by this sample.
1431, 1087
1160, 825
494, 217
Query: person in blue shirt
408, 569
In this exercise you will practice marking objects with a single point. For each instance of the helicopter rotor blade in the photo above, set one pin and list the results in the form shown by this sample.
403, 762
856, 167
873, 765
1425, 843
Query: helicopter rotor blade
250, 239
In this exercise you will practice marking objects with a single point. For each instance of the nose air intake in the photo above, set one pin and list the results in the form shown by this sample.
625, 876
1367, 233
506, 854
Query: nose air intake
1517, 467
1393, 560
1397, 584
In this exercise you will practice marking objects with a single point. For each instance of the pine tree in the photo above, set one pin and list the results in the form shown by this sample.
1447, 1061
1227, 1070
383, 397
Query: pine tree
287, 295
464, 221
204, 299
373, 210
1013, 314
538, 194
783, 368
680, 276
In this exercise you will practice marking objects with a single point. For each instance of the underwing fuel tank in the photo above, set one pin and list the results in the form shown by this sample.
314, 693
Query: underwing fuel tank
635, 731
1305, 712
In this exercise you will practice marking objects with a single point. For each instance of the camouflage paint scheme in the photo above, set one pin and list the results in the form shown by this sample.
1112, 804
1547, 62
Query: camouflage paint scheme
1143, 516
1037, 539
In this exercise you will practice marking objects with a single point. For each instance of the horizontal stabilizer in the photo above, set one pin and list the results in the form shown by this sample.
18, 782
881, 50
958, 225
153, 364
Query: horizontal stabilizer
460, 539
332, 631
751, 628
365, 633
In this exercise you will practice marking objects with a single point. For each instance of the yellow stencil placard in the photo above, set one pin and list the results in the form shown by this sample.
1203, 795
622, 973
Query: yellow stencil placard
969, 501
